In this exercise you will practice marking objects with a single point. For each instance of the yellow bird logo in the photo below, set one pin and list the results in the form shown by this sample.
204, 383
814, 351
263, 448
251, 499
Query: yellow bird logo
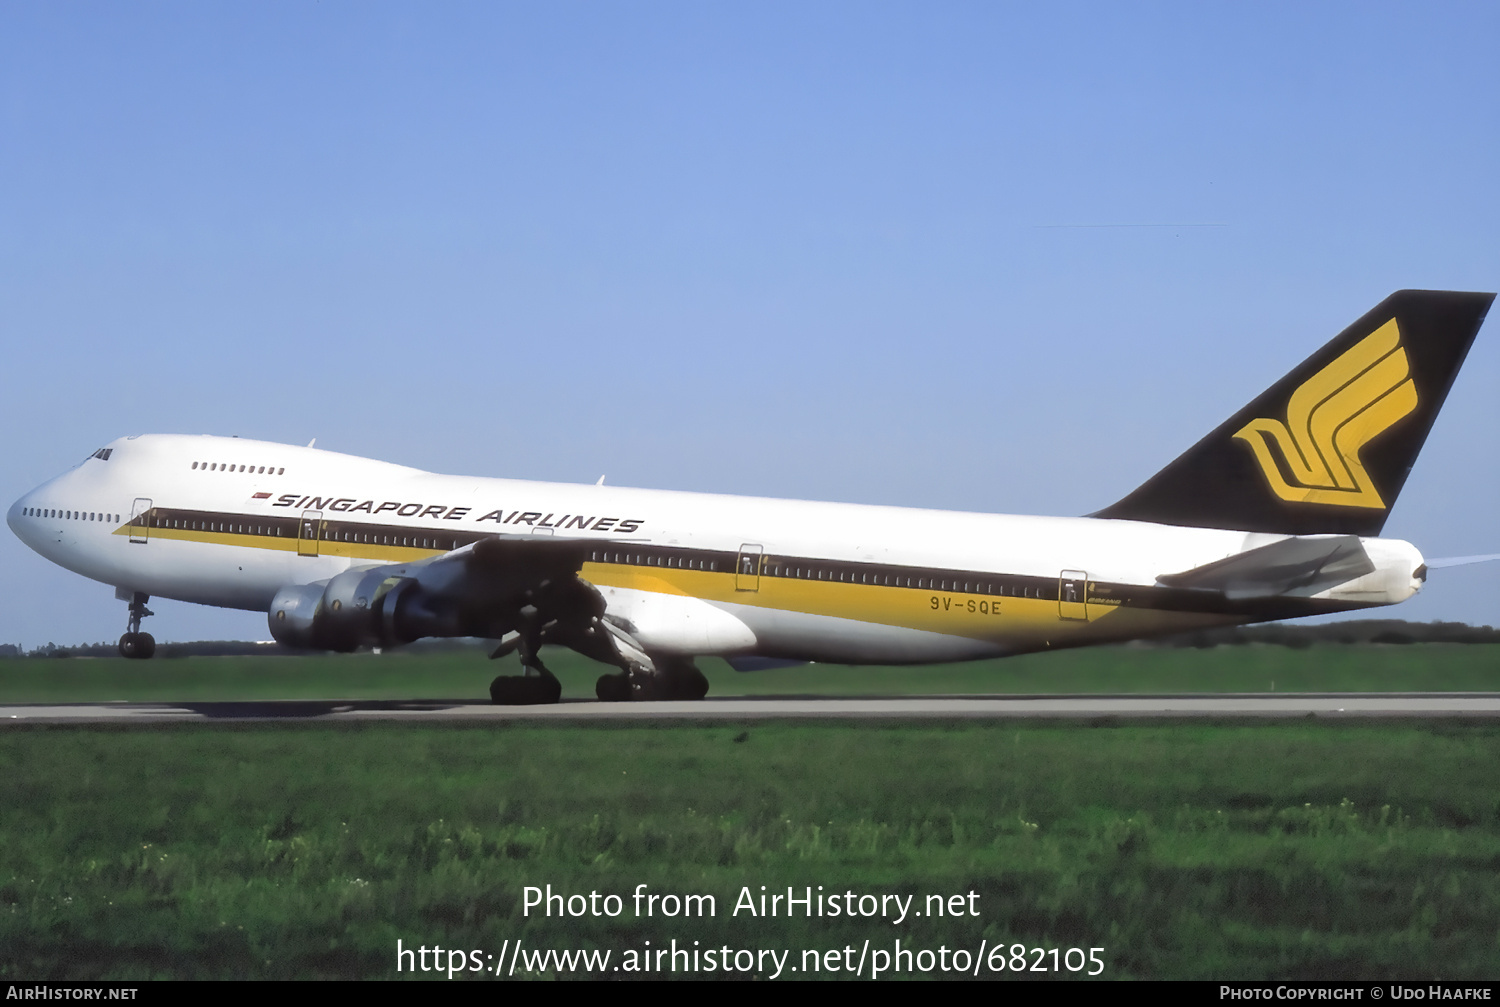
1330, 417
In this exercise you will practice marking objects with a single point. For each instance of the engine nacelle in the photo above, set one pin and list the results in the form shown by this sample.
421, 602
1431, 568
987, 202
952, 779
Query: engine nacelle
359, 608
294, 615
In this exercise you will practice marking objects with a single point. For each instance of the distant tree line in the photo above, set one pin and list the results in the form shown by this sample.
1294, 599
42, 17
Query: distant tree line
221, 648
201, 648
1389, 631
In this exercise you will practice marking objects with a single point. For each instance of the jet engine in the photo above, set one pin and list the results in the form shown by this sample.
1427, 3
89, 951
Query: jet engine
361, 608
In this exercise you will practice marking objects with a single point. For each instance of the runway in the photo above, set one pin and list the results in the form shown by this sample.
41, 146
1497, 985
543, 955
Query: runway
1345, 706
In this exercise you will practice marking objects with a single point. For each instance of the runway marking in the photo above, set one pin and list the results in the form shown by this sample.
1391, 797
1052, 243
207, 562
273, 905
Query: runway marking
1282, 705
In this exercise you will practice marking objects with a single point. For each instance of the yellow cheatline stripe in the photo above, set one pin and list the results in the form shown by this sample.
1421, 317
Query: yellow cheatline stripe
350, 550
369, 550
974, 616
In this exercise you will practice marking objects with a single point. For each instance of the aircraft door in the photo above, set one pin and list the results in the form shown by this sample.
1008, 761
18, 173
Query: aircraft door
140, 517
747, 568
1072, 595
308, 532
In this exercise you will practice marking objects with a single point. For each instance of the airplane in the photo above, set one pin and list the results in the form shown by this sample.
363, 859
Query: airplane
1275, 514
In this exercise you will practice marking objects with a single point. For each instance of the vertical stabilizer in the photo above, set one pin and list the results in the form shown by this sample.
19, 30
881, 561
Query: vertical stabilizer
1328, 447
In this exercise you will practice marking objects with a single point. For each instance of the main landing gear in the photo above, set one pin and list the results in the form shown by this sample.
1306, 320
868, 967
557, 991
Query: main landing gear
641, 676
535, 685
673, 678
135, 643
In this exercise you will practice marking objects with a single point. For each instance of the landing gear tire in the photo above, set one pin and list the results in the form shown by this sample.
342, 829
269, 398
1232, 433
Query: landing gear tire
134, 643
675, 679
137, 645
525, 690
689, 683
613, 688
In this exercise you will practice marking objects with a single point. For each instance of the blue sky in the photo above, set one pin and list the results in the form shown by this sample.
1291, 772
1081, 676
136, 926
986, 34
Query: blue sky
802, 249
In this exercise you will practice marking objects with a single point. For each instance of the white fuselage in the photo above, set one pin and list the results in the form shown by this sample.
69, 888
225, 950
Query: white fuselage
229, 522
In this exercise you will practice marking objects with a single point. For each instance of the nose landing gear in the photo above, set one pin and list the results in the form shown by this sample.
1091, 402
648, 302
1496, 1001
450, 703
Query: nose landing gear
134, 643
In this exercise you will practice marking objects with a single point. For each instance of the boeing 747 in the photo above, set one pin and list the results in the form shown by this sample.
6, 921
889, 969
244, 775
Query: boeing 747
1276, 513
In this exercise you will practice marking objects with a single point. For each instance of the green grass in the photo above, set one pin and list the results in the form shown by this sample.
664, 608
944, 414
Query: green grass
1306, 849
1325, 668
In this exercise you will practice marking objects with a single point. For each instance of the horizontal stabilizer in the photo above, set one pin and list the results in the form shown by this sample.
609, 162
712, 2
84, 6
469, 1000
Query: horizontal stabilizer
1304, 565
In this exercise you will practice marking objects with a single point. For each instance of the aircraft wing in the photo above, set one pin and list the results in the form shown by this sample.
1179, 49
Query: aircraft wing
1304, 566
525, 591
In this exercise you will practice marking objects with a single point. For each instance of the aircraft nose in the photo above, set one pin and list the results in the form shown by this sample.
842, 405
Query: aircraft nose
17, 517
24, 516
